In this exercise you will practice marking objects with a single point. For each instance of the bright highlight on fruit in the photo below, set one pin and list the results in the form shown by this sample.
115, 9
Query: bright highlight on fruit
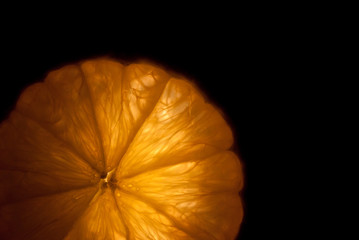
100, 150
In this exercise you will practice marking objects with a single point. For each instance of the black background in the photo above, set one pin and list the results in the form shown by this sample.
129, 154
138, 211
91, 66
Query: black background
239, 68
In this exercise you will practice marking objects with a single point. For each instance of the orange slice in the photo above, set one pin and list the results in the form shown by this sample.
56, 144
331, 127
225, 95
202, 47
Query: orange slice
100, 150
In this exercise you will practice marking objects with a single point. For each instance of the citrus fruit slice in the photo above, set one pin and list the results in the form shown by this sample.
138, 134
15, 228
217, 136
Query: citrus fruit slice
100, 150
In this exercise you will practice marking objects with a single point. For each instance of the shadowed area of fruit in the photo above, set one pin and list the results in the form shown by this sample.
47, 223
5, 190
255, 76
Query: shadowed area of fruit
100, 150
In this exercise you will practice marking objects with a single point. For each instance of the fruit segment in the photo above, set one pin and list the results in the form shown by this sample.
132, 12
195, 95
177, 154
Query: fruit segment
181, 127
33, 162
199, 196
144, 221
47, 217
62, 105
122, 97
101, 221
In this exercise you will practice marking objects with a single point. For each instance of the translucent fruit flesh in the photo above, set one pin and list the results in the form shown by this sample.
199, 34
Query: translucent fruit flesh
103, 151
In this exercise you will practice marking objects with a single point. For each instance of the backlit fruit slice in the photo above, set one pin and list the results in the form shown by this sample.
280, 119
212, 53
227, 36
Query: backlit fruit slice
100, 150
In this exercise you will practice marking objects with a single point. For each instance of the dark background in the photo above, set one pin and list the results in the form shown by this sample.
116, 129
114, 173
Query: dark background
240, 70
275, 69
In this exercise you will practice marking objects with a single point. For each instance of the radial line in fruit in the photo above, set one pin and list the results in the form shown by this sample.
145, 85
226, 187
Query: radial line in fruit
97, 129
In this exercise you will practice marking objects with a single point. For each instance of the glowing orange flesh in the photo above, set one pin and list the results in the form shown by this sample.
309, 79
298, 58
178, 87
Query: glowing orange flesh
105, 151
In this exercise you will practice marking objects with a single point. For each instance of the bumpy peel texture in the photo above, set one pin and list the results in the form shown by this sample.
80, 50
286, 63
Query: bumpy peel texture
105, 151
